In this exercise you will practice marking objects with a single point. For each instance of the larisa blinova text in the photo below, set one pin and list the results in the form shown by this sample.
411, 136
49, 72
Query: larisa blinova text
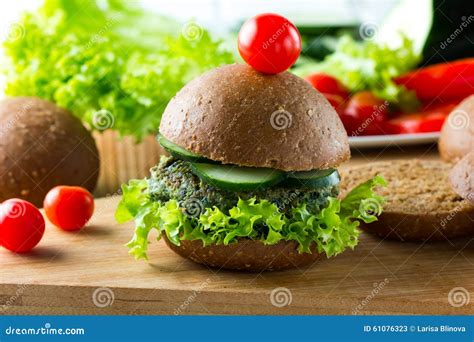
441, 328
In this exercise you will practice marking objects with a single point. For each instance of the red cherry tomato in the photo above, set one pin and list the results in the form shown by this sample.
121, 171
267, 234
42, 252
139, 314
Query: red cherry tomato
336, 101
365, 114
21, 225
327, 84
69, 207
269, 43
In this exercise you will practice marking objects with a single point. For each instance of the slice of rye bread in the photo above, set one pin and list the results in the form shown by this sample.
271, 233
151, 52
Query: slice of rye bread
420, 203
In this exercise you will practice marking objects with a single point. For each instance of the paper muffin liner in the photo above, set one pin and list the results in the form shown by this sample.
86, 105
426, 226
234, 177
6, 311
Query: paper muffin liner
122, 159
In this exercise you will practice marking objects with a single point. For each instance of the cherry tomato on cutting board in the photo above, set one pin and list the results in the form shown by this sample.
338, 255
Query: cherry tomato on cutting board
21, 225
69, 207
327, 85
365, 114
269, 43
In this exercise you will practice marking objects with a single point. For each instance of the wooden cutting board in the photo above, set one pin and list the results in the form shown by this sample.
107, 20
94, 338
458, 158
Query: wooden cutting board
90, 272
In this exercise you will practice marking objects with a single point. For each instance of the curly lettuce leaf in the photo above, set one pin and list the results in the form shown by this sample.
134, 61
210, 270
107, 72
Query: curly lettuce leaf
107, 57
371, 66
133, 200
330, 231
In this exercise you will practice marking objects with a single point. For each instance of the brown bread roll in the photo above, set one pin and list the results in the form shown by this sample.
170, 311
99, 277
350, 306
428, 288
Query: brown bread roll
236, 115
41, 146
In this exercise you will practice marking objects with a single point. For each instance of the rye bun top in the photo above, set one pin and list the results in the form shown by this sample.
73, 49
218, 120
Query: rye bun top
236, 115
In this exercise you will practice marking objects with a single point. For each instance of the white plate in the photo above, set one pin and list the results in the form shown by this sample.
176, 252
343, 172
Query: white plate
393, 139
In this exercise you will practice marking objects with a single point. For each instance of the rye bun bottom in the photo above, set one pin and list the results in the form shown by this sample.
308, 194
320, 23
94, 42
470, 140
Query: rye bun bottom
245, 255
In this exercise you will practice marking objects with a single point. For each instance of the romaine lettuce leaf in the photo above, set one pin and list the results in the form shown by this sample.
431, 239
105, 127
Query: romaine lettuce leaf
331, 230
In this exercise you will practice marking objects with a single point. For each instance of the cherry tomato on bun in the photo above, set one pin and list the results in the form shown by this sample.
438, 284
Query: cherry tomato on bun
269, 43
327, 85
69, 207
21, 225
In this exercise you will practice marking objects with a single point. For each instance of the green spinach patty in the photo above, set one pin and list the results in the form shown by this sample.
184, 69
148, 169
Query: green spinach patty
173, 179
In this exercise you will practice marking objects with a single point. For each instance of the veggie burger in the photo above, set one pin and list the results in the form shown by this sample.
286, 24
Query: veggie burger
251, 181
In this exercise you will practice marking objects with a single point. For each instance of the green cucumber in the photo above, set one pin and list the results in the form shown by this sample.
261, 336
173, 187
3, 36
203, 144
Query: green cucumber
313, 178
236, 178
179, 152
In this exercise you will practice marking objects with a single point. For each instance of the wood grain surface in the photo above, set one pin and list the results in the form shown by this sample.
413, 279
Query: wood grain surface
90, 272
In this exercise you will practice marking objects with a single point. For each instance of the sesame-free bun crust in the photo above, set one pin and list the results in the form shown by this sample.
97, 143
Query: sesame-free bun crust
42, 146
457, 134
236, 115
420, 203
245, 255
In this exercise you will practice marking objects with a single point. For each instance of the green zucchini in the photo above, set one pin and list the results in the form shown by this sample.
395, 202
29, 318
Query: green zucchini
179, 152
237, 178
313, 178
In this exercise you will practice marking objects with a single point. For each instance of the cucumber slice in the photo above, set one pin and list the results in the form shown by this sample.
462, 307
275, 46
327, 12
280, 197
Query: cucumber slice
313, 178
235, 178
179, 152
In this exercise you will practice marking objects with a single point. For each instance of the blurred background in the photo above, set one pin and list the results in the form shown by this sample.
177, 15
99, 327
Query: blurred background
115, 64
425, 20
